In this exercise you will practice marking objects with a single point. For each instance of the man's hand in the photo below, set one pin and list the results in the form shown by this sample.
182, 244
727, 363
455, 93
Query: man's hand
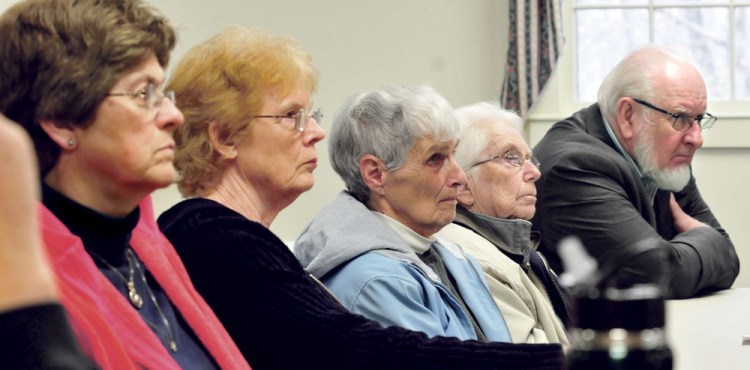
682, 221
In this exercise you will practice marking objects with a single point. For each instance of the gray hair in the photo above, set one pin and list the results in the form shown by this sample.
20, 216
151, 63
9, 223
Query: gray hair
386, 123
634, 77
475, 122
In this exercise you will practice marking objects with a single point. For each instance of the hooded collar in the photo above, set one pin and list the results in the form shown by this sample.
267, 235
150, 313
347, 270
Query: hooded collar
345, 229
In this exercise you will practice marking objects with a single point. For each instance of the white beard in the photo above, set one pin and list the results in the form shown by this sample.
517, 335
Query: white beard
672, 179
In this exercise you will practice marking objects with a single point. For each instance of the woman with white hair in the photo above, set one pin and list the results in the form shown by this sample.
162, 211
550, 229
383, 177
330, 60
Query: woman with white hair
374, 245
492, 223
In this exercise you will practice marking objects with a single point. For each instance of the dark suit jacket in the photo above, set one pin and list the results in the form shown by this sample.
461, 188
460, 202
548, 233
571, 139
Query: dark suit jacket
589, 189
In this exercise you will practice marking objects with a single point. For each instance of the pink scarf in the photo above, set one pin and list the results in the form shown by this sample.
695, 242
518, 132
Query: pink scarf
108, 328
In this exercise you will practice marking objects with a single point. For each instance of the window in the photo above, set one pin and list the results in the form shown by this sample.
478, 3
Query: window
713, 33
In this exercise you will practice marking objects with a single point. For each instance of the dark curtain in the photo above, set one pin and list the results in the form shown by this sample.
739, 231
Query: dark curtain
536, 41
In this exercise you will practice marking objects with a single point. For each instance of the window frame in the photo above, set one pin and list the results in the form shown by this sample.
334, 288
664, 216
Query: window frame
559, 98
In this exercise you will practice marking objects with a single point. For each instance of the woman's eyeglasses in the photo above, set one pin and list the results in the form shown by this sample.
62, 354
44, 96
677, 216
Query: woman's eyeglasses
300, 117
152, 98
513, 158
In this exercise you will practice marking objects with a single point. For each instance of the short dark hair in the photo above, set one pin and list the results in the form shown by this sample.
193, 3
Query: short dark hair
60, 58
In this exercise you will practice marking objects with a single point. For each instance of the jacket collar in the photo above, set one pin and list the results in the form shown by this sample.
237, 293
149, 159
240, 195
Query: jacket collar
511, 236
648, 183
345, 229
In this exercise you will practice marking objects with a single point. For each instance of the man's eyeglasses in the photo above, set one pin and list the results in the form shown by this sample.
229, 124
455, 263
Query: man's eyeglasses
683, 122
513, 158
300, 117
152, 98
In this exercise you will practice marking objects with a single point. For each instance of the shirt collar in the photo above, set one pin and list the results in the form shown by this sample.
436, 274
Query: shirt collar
619, 147
417, 242
648, 183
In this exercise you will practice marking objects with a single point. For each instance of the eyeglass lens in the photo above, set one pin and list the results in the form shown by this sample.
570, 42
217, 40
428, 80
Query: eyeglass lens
303, 116
515, 159
684, 122
154, 99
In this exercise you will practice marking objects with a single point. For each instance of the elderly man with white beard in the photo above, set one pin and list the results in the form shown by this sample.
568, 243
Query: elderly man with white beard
617, 175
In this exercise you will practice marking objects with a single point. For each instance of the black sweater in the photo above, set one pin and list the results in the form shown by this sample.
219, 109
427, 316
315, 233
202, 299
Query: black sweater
39, 337
270, 305
107, 237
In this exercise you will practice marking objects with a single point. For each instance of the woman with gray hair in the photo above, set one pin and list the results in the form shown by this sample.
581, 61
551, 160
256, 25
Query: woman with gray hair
492, 223
374, 245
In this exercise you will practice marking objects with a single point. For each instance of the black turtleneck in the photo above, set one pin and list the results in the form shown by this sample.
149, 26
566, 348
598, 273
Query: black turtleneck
107, 238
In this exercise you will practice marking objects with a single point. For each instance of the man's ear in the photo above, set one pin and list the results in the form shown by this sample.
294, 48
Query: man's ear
372, 170
465, 196
625, 122
220, 142
62, 134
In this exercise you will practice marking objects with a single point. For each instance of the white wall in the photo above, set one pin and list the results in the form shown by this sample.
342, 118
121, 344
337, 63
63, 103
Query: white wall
458, 46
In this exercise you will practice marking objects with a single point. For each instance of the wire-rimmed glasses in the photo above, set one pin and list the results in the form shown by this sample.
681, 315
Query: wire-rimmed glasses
513, 158
300, 117
683, 122
152, 98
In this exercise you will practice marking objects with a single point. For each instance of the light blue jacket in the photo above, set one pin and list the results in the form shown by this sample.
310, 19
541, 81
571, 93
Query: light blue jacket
373, 272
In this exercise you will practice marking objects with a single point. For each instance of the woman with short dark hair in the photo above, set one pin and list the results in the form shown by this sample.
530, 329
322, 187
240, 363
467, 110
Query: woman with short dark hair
85, 78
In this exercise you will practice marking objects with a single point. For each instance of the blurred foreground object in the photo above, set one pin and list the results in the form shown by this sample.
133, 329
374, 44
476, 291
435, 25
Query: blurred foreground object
615, 326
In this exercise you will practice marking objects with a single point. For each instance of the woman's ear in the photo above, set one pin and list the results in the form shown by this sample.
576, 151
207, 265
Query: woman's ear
62, 134
372, 170
225, 147
465, 196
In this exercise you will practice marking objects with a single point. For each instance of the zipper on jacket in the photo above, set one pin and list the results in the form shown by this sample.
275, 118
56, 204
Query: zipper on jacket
492, 299
448, 293
535, 278
554, 283
326, 289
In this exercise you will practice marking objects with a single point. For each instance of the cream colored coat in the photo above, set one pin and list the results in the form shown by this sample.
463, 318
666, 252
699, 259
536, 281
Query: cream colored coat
521, 298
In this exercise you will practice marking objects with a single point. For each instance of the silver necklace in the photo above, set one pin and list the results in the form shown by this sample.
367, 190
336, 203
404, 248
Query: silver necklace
170, 334
135, 298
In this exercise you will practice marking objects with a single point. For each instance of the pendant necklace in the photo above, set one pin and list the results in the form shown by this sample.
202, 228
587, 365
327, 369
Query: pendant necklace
170, 335
135, 298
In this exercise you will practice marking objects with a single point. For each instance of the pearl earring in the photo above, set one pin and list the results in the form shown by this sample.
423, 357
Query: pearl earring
71, 142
